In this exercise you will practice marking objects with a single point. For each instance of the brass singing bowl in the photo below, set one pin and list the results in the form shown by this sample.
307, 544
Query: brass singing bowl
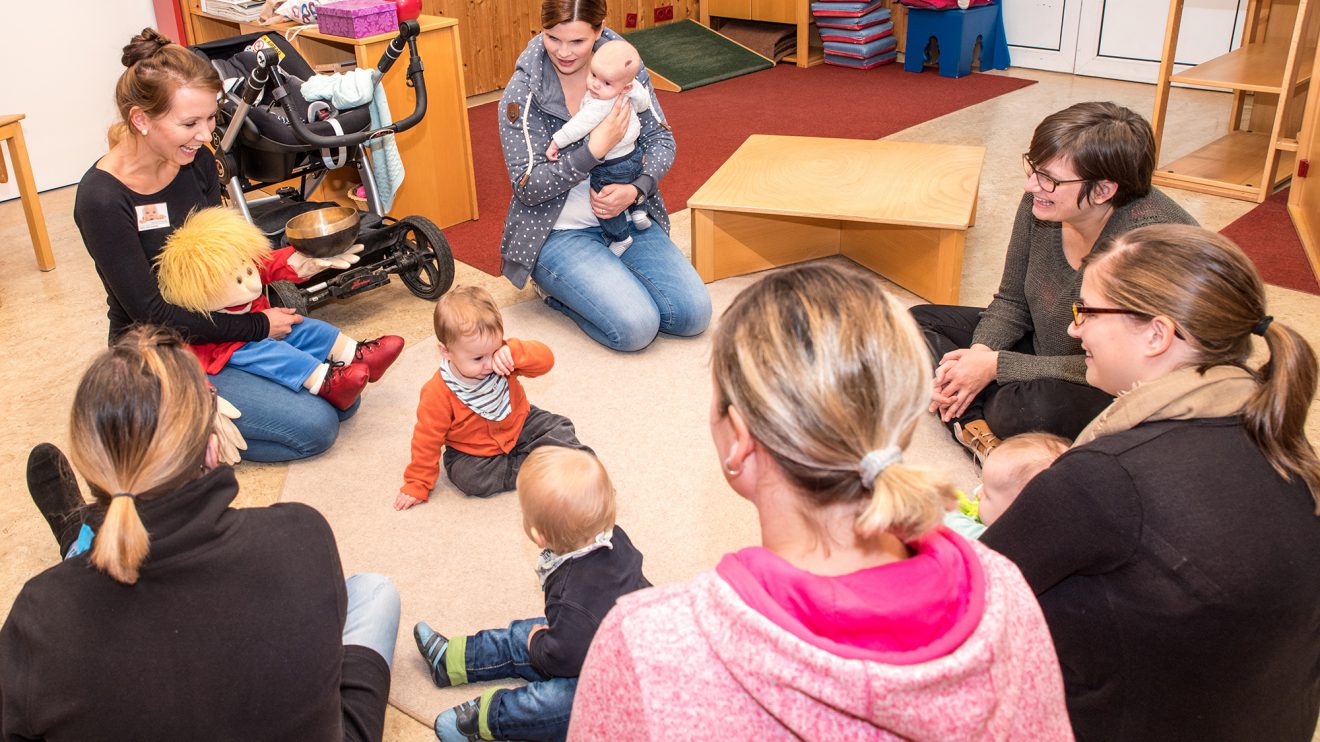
324, 232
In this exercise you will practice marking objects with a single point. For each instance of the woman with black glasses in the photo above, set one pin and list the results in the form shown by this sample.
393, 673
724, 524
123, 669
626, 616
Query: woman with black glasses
1174, 548
1011, 367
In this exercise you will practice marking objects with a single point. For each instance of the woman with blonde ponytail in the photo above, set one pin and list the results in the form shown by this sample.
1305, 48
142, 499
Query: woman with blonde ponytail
859, 616
1176, 548
188, 619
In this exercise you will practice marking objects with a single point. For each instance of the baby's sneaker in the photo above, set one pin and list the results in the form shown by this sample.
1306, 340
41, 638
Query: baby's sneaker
618, 248
432, 645
640, 219
461, 723
378, 354
343, 384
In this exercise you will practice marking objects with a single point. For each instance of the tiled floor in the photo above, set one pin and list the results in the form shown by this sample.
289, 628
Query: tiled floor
45, 351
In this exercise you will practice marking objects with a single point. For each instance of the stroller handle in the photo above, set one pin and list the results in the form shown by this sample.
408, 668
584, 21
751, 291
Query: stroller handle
408, 31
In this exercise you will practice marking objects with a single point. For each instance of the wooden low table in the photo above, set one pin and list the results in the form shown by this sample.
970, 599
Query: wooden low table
901, 209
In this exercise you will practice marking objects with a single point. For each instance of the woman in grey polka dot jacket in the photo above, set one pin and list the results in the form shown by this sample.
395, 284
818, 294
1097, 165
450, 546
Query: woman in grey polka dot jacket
552, 233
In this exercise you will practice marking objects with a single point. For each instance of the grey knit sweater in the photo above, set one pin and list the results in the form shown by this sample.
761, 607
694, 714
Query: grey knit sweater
532, 109
1039, 287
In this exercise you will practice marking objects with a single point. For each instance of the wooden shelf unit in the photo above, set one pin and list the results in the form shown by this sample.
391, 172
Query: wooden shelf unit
1271, 69
439, 181
796, 13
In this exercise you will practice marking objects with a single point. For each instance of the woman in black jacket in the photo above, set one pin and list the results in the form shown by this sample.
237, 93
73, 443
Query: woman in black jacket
1175, 549
188, 619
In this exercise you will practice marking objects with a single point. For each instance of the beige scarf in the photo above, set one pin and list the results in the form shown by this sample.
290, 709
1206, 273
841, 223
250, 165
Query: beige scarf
1184, 394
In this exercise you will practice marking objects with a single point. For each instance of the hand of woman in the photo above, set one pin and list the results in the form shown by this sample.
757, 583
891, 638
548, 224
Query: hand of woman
961, 375
613, 199
610, 130
282, 320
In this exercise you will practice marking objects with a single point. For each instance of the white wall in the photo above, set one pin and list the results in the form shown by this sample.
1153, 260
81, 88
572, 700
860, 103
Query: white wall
60, 62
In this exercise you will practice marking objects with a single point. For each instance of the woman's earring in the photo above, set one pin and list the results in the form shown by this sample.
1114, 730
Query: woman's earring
728, 468
143, 130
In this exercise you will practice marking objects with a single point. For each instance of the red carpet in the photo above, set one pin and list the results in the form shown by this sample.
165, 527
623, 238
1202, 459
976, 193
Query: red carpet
1266, 234
711, 122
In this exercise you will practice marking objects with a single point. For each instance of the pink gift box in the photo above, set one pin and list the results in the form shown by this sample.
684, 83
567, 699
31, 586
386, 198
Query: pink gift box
356, 19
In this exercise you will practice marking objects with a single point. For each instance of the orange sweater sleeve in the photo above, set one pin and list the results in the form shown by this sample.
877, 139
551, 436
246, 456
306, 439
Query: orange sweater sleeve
435, 415
530, 358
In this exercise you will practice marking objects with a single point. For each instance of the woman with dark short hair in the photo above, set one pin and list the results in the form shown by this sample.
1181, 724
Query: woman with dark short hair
1011, 367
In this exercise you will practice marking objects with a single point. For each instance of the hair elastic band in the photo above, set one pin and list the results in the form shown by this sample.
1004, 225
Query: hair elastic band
1262, 325
122, 494
877, 461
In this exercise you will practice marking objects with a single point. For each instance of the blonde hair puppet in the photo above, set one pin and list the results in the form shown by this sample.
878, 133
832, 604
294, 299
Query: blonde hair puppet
218, 262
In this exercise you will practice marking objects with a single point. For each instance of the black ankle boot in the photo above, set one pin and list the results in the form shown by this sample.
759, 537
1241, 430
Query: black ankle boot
54, 489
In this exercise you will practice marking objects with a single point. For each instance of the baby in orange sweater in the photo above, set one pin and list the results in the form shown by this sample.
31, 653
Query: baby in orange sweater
475, 407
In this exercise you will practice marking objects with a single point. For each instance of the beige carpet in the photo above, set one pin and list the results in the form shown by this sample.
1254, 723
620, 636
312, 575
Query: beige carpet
645, 414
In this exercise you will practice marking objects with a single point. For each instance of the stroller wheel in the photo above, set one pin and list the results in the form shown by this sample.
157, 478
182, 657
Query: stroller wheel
289, 295
428, 263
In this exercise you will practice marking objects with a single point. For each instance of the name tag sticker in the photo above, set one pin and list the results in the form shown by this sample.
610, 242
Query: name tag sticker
153, 216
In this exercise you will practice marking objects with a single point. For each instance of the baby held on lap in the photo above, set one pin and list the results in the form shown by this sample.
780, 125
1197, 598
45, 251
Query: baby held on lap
1007, 471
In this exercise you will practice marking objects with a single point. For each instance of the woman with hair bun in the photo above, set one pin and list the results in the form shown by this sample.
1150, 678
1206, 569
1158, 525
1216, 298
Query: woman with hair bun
188, 619
157, 171
859, 616
1175, 548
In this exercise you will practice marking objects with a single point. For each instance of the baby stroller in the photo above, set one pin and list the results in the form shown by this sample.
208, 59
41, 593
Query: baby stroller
266, 133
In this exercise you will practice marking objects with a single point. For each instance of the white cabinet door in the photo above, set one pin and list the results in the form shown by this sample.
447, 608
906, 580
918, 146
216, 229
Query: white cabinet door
1123, 39
1119, 39
1042, 34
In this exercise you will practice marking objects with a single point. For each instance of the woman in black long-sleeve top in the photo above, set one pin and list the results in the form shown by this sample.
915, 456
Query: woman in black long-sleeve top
1175, 549
188, 619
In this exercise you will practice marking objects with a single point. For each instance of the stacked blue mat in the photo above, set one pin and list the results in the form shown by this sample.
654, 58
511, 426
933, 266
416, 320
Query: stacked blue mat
856, 34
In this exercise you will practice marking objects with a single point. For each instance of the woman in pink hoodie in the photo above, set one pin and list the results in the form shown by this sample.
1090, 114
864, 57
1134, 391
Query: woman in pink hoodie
859, 616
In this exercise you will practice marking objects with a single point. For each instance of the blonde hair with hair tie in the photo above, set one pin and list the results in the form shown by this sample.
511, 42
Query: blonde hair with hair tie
831, 376
140, 423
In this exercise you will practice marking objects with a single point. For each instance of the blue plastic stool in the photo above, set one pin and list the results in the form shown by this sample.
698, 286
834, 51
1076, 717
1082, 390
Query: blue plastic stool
956, 31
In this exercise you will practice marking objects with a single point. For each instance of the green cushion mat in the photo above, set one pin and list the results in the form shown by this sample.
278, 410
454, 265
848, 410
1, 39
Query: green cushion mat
691, 55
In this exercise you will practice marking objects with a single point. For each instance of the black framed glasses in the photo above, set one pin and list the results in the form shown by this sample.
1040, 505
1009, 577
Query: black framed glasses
1080, 311
1047, 183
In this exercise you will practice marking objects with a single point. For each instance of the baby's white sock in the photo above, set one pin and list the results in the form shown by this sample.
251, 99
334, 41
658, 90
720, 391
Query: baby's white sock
344, 349
314, 381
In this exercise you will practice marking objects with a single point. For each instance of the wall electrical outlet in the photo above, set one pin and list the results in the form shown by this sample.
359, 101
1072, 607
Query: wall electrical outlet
664, 13
630, 21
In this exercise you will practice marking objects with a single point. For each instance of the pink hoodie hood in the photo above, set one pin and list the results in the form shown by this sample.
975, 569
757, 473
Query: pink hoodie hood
903, 613
683, 660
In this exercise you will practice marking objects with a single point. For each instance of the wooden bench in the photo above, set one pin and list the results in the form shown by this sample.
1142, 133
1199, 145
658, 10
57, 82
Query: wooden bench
901, 209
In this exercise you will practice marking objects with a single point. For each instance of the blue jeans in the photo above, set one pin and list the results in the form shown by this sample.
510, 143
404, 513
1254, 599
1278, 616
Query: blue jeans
291, 360
373, 614
625, 170
536, 711
622, 302
279, 424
